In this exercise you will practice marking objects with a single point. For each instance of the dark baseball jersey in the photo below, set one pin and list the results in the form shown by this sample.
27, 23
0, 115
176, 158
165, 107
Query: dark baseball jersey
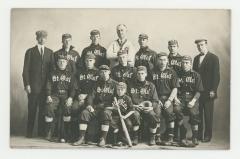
87, 79
61, 83
103, 93
123, 73
175, 62
125, 104
145, 57
165, 81
72, 56
190, 82
142, 91
100, 53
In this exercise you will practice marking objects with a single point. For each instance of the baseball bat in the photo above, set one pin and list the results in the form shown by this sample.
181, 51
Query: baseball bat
125, 130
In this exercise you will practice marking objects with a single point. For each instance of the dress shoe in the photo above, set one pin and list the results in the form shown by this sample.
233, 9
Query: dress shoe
206, 139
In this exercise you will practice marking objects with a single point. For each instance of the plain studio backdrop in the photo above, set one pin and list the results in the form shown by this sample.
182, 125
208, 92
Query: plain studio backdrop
160, 25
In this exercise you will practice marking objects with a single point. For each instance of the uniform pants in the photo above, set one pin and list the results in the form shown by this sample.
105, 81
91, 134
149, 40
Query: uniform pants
167, 113
182, 109
57, 110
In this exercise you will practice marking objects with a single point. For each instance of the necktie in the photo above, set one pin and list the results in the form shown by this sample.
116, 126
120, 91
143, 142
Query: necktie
41, 52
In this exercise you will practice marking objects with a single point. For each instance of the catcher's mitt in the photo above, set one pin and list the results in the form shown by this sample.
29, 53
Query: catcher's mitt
145, 104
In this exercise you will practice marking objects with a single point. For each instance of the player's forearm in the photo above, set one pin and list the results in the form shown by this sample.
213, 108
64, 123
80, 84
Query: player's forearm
196, 97
173, 94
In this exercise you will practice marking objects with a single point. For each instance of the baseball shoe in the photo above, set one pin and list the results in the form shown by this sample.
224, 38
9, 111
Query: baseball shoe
169, 142
158, 140
135, 140
79, 142
102, 142
195, 141
185, 143
119, 144
152, 140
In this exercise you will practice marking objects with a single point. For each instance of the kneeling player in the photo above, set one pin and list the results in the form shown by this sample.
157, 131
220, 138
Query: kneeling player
61, 88
188, 95
142, 91
131, 119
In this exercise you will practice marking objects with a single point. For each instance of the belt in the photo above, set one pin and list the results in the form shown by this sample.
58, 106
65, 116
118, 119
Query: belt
61, 92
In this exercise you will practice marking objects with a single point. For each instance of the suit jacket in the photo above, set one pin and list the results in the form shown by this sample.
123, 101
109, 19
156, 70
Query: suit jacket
36, 69
209, 71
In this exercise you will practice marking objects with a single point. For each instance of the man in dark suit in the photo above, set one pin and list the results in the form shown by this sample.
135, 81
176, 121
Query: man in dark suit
37, 65
207, 65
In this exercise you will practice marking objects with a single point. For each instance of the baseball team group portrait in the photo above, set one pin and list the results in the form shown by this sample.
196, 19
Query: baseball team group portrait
120, 79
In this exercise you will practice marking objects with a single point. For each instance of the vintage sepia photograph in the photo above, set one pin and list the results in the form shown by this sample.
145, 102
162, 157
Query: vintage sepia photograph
136, 79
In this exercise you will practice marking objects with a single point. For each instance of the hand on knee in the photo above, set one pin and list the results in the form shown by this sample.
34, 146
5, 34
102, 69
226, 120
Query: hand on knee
115, 131
48, 119
66, 118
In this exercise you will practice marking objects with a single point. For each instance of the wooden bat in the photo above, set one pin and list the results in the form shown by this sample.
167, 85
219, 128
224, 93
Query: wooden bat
125, 130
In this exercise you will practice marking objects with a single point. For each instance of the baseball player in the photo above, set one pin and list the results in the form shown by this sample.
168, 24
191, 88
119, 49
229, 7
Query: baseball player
166, 82
128, 114
67, 50
142, 91
145, 56
100, 98
123, 72
60, 90
175, 59
96, 49
122, 43
87, 77
188, 100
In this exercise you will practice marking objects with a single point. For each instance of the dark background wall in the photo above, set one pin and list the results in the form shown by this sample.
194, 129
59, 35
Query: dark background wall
160, 25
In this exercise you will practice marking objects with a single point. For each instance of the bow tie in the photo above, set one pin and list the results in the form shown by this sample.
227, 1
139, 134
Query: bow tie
201, 54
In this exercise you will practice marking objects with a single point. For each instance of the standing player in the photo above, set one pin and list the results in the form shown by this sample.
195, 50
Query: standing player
123, 72
144, 91
96, 49
166, 82
175, 59
38, 62
122, 43
100, 98
145, 56
60, 89
67, 50
188, 95
207, 65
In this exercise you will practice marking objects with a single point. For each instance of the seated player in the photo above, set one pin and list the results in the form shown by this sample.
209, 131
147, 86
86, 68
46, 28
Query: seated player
86, 80
132, 119
166, 82
188, 101
123, 72
142, 91
60, 90
96, 103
